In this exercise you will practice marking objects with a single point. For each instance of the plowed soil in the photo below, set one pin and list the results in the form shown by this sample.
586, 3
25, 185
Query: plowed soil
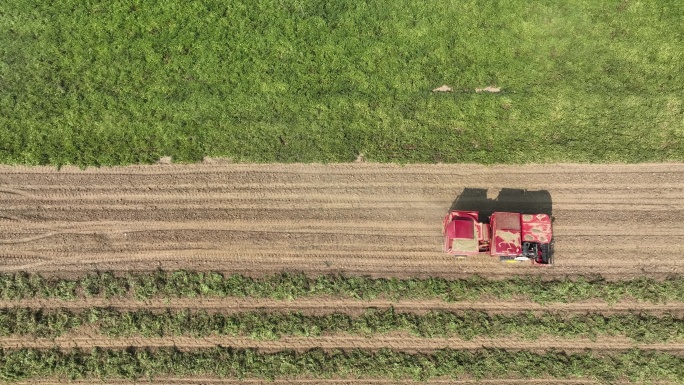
381, 220
621, 221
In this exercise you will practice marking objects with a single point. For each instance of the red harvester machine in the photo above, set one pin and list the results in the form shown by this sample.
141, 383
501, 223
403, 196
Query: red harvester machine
512, 237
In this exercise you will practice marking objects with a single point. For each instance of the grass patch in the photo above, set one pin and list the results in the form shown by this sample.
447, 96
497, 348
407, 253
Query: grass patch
636, 365
289, 286
119, 82
265, 325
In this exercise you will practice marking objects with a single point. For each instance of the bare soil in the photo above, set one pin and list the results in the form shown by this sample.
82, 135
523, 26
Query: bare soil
396, 341
621, 221
321, 306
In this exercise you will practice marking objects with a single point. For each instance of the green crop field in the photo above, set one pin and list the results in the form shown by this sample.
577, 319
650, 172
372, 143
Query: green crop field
634, 365
118, 82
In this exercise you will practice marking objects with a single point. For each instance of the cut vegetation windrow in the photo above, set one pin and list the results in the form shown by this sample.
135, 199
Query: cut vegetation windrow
270, 325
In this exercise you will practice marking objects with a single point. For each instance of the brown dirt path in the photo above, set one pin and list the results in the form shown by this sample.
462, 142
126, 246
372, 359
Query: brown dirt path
350, 306
384, 220
394, 341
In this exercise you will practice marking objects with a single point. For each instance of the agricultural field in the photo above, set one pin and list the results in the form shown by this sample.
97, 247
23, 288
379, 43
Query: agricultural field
290, 230
221, 273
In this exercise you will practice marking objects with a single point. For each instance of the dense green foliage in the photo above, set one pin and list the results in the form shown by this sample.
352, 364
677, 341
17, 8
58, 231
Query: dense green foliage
637, 365
273, 325
176, 284
38, 323
127, 81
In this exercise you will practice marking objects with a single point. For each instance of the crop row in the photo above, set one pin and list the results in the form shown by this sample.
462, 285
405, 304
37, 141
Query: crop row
273, 325
637, 365
178, 284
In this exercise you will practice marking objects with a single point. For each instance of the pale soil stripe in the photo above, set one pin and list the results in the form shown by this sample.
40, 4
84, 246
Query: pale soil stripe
325, 305
395, 342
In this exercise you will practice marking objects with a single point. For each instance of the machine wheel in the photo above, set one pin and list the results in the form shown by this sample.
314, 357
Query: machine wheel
547, 257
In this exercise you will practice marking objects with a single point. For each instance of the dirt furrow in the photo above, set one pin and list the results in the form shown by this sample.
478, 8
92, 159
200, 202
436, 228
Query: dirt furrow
399, 342
350, 306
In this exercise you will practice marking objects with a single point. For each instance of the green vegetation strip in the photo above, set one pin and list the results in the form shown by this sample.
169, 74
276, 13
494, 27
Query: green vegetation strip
637, 365
273, 325
117, 82
187, 284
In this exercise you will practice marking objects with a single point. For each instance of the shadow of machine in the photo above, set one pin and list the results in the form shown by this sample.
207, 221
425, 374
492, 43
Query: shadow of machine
508, 200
